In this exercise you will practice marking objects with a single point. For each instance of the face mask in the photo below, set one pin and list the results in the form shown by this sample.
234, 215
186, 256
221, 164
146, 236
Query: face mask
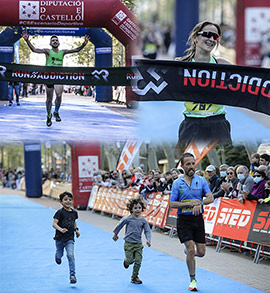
223, 173
240, 177
257, 179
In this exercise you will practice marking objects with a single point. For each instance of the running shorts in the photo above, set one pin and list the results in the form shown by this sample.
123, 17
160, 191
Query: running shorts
190, 227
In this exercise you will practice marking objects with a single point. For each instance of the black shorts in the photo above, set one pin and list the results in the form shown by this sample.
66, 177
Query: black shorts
190, 227
205, 129
50, 86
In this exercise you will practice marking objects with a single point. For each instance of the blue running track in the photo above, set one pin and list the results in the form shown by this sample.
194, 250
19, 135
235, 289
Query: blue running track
82, 120
27, 259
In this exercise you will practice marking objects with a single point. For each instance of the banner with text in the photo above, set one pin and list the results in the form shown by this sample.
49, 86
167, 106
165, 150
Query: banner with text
120, 76
113, 201
229, 218
241, 86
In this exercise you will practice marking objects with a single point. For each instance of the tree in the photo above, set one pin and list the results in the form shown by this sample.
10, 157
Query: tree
86, 56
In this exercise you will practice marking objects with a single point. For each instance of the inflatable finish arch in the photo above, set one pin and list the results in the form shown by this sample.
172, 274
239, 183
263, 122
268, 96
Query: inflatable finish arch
110, 14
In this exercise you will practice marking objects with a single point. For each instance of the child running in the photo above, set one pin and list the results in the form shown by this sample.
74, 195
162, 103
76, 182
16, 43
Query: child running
135, 224
65, 224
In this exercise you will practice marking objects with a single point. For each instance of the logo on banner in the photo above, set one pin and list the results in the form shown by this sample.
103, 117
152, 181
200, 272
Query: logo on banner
87, 166
234, 217
3, 69
101, 74
29, 10
150, 86
119, 16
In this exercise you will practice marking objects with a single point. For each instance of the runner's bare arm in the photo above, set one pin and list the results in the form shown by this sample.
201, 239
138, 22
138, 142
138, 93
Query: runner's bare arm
209, 198
222, 61
30, 45
78, 49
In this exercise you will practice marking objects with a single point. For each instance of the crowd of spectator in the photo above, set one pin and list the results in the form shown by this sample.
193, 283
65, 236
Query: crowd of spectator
233, 182
11, 178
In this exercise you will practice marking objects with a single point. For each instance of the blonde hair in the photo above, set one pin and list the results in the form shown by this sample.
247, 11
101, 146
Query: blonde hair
190, 52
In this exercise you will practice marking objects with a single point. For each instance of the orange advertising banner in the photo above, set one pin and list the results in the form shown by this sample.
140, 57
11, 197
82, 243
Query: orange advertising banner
234, 219
113, 201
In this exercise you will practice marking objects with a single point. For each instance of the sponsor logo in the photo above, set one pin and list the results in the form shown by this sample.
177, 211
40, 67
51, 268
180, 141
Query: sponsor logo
29, 10
262, 223
150, 86
3, 69
209, 213
98, 74
119, 16
234, 217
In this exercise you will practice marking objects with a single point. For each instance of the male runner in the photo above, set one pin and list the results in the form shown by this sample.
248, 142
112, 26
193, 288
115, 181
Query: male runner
54, 57
187, 195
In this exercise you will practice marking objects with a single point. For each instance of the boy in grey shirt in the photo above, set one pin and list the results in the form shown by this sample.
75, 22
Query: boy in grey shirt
135, 224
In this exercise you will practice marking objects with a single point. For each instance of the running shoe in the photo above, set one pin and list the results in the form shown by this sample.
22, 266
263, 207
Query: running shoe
18, 104
49, 120
10, 103
136, 280
57, 117
58, 261
126, 265
73, 279
193, 286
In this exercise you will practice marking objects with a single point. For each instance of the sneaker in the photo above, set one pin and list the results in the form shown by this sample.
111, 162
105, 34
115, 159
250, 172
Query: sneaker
10, 103
193, 286
136, 280
73, 279
58, 261
49, 120
18, 104
57, 117
126, 265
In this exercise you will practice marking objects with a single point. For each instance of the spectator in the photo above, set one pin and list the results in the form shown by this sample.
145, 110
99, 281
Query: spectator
200, 173
257, 191
266, 198
230, 186
13, 85
245, 182
214, 180
255, 159
265, 160
175, 173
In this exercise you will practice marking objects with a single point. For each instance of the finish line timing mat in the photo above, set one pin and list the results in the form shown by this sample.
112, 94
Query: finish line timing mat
27, 259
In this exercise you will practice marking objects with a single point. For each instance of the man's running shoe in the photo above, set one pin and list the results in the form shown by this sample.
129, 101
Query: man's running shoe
193, 286
73, 279
126, 265
10, 103
58, 261
57, 117
49, 120
136, 280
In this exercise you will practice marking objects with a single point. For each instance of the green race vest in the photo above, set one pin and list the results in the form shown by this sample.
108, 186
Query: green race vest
203, 110
55, 59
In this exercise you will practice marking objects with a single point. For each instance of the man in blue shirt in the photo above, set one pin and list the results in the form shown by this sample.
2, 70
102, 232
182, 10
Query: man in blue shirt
187, 196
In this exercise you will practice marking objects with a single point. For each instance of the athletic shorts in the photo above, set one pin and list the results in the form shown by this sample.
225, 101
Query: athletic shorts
190, 227
205, 129
49, 86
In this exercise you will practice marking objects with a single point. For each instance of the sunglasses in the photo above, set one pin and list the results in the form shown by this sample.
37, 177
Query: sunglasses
209, 35
231, 173
257, 176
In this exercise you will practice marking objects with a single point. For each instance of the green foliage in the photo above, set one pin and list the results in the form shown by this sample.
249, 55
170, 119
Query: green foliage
24, 52
86, 56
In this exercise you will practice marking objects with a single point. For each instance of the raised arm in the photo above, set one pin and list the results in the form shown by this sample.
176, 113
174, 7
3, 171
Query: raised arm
78, 49
30, 45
